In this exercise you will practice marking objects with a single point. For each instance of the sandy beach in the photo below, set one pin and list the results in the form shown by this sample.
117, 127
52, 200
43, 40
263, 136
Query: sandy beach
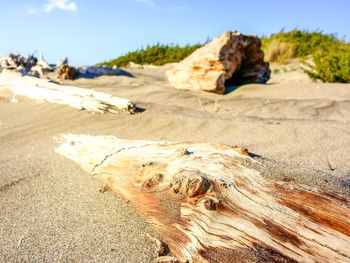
52, 211
149, 131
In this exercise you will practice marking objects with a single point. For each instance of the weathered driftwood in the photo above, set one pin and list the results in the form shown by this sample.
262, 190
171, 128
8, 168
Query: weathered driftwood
97, 71
45, 91
207, 204
230, 59
29, 65
64, 71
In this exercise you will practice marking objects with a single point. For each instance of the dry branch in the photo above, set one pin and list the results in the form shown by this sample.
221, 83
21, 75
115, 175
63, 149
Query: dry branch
205, 202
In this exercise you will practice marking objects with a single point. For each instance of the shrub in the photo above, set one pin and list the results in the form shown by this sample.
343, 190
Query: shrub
157, 55
331, 66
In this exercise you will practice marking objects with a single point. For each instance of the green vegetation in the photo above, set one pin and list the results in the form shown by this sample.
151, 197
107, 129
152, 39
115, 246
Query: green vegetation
276, 71
331, 65
303, 43
157, 55
330, 55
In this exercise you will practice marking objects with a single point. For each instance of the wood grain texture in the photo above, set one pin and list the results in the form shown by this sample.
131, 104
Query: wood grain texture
43, 90
205, 203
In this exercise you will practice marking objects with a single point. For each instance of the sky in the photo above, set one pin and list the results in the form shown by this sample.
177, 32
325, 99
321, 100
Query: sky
92, 31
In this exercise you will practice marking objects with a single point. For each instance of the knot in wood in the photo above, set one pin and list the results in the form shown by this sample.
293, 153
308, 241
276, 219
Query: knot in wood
153, 181
192, 183
211, 203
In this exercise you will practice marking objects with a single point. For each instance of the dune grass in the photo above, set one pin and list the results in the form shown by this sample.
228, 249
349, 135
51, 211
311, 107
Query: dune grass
279, 51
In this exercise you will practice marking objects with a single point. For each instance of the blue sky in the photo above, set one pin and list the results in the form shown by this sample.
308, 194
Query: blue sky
90, 31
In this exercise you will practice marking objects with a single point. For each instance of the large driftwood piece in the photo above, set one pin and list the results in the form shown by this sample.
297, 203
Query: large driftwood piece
230, 59
43, 90
206, 204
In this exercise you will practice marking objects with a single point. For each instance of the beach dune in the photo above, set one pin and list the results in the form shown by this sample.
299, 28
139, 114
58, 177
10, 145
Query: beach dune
52, 211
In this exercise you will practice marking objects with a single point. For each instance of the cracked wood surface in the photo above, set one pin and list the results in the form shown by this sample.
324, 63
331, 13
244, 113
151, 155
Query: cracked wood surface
206, 204
43, 90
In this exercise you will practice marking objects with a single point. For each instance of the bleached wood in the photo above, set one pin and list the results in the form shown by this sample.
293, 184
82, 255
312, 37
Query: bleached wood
201, 198
43, 90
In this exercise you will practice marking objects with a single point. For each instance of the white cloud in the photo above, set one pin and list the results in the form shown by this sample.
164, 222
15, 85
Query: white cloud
64, 5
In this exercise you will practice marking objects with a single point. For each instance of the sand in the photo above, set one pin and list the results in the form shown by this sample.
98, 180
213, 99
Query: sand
51, 211
297, 123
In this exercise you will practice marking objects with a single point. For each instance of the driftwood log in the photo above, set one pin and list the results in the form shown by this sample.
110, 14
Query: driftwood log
43, 90
230, 59
207, 205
